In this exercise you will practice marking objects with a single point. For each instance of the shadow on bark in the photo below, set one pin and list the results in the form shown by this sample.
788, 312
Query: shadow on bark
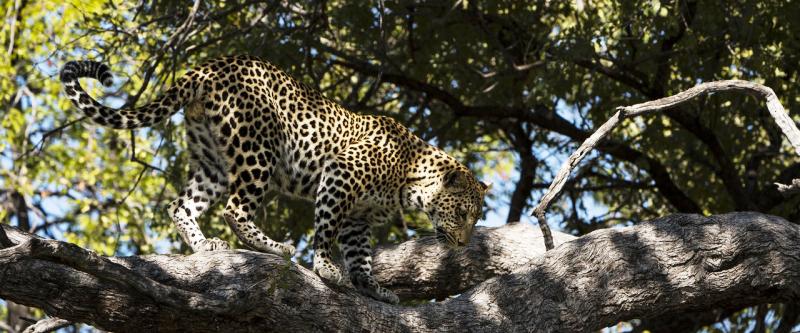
674, 264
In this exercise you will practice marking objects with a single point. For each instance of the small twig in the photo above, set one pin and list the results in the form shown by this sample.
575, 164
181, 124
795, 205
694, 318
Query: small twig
146, 166
47, 325
774, 106
134, 158
175, 39
47, 135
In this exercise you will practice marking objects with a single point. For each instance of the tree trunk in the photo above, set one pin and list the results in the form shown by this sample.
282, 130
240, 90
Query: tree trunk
673, 264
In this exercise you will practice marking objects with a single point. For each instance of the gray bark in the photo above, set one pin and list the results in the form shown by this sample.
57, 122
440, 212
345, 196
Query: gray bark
424, 269
673, 264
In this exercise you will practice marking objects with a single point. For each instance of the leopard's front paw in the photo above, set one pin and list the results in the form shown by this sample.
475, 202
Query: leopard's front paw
282, 249
367, 285
213, 244
384, 295
327, 270
330, 274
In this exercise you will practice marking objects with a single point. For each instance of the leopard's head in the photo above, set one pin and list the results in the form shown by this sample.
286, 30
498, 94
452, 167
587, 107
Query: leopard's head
456, 206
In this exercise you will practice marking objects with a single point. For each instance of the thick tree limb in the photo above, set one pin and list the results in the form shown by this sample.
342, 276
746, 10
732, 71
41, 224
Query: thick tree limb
424, 269
774, 106
673, 264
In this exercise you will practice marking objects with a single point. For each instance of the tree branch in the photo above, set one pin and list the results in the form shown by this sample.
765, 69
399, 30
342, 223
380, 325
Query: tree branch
4, 241
789, 318
522, 143
47, 325
672, 264
561, 177
788, 190
774, 106
91, 263
424, 269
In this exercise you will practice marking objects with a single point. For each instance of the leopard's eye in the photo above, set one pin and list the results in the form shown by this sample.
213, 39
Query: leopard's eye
462, 213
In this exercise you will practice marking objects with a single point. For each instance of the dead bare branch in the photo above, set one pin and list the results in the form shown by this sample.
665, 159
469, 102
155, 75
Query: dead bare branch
47, 325
786, 124
787, 190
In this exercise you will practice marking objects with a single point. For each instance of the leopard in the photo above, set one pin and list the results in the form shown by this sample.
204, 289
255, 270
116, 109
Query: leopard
252, 129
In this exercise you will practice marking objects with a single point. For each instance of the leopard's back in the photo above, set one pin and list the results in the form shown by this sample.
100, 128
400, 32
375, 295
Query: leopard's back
259, 113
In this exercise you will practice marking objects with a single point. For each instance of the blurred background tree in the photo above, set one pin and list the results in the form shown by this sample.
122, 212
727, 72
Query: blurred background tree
509, 87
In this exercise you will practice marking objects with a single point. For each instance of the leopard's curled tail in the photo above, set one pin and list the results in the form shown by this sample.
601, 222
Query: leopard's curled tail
154, 112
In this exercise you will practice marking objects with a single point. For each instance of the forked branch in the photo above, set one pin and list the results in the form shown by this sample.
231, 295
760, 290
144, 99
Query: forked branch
776, 110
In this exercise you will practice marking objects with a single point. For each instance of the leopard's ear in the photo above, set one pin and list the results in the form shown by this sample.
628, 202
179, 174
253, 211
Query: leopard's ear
456, 180
485, 187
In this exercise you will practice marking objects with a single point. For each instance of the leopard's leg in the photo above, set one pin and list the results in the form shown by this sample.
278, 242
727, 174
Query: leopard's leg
245, 196
205, 186
354, 243
332, 202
